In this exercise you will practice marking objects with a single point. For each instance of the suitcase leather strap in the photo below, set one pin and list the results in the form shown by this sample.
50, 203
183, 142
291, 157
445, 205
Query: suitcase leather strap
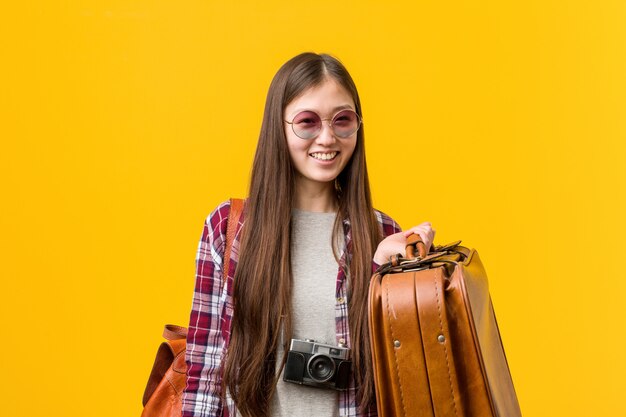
424, 368
429, 295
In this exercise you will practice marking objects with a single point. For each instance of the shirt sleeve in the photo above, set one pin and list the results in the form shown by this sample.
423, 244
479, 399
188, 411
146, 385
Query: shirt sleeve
375, 266
205, 344
388, 227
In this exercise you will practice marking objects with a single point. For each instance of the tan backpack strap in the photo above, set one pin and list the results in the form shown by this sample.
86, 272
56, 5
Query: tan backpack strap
236, 208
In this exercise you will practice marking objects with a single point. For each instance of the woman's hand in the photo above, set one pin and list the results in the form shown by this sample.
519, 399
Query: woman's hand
396, 243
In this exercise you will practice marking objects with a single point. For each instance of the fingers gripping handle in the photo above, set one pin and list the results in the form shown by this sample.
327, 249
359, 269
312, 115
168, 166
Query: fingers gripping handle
414, 242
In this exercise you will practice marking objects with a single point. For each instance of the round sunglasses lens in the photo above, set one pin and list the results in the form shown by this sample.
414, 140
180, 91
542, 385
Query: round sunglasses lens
345, 123
306, 124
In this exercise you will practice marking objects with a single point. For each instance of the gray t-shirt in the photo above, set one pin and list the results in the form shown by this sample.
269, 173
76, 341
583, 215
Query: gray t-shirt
314, 271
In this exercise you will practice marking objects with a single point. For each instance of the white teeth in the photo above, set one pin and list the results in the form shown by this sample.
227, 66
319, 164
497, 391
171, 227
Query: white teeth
324, 156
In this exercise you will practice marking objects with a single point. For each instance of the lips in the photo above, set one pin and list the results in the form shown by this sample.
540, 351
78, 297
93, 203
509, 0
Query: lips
324, 156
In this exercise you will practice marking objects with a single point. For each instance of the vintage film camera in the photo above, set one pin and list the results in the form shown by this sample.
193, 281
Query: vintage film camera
318, 364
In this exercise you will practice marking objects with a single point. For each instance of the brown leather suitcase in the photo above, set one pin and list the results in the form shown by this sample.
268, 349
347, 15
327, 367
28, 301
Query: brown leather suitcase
435, 341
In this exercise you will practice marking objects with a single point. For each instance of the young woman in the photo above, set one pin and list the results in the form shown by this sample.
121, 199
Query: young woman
308, 243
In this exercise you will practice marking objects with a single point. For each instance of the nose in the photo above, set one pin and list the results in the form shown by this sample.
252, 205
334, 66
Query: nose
326, 135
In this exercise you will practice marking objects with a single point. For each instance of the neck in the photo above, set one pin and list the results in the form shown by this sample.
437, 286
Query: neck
315, 196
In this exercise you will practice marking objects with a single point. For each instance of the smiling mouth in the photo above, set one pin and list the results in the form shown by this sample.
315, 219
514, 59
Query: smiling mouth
323, 156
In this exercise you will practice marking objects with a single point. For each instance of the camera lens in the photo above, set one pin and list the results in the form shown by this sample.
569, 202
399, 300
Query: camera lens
321, 368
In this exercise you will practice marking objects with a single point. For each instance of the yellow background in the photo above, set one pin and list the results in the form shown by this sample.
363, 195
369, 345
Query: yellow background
125, 122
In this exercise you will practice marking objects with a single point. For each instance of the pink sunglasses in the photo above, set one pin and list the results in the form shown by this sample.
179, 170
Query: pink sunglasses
308, 124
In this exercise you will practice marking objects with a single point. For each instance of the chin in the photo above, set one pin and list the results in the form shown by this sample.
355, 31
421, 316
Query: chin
324, 179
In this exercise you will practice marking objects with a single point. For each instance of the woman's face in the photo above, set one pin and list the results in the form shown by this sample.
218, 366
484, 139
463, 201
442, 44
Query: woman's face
320, 160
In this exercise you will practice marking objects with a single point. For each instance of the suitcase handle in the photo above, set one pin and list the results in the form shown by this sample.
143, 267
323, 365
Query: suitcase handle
414, 242
449, 253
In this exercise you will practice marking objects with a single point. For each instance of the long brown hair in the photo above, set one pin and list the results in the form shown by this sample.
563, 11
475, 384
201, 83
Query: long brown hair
262, 284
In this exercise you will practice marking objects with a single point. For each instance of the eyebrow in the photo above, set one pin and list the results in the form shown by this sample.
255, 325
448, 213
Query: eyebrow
335, 110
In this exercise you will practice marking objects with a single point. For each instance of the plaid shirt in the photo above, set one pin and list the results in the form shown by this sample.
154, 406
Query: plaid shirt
212, 312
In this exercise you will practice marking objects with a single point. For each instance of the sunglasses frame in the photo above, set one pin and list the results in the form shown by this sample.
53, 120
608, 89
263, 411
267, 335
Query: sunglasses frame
331, 124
